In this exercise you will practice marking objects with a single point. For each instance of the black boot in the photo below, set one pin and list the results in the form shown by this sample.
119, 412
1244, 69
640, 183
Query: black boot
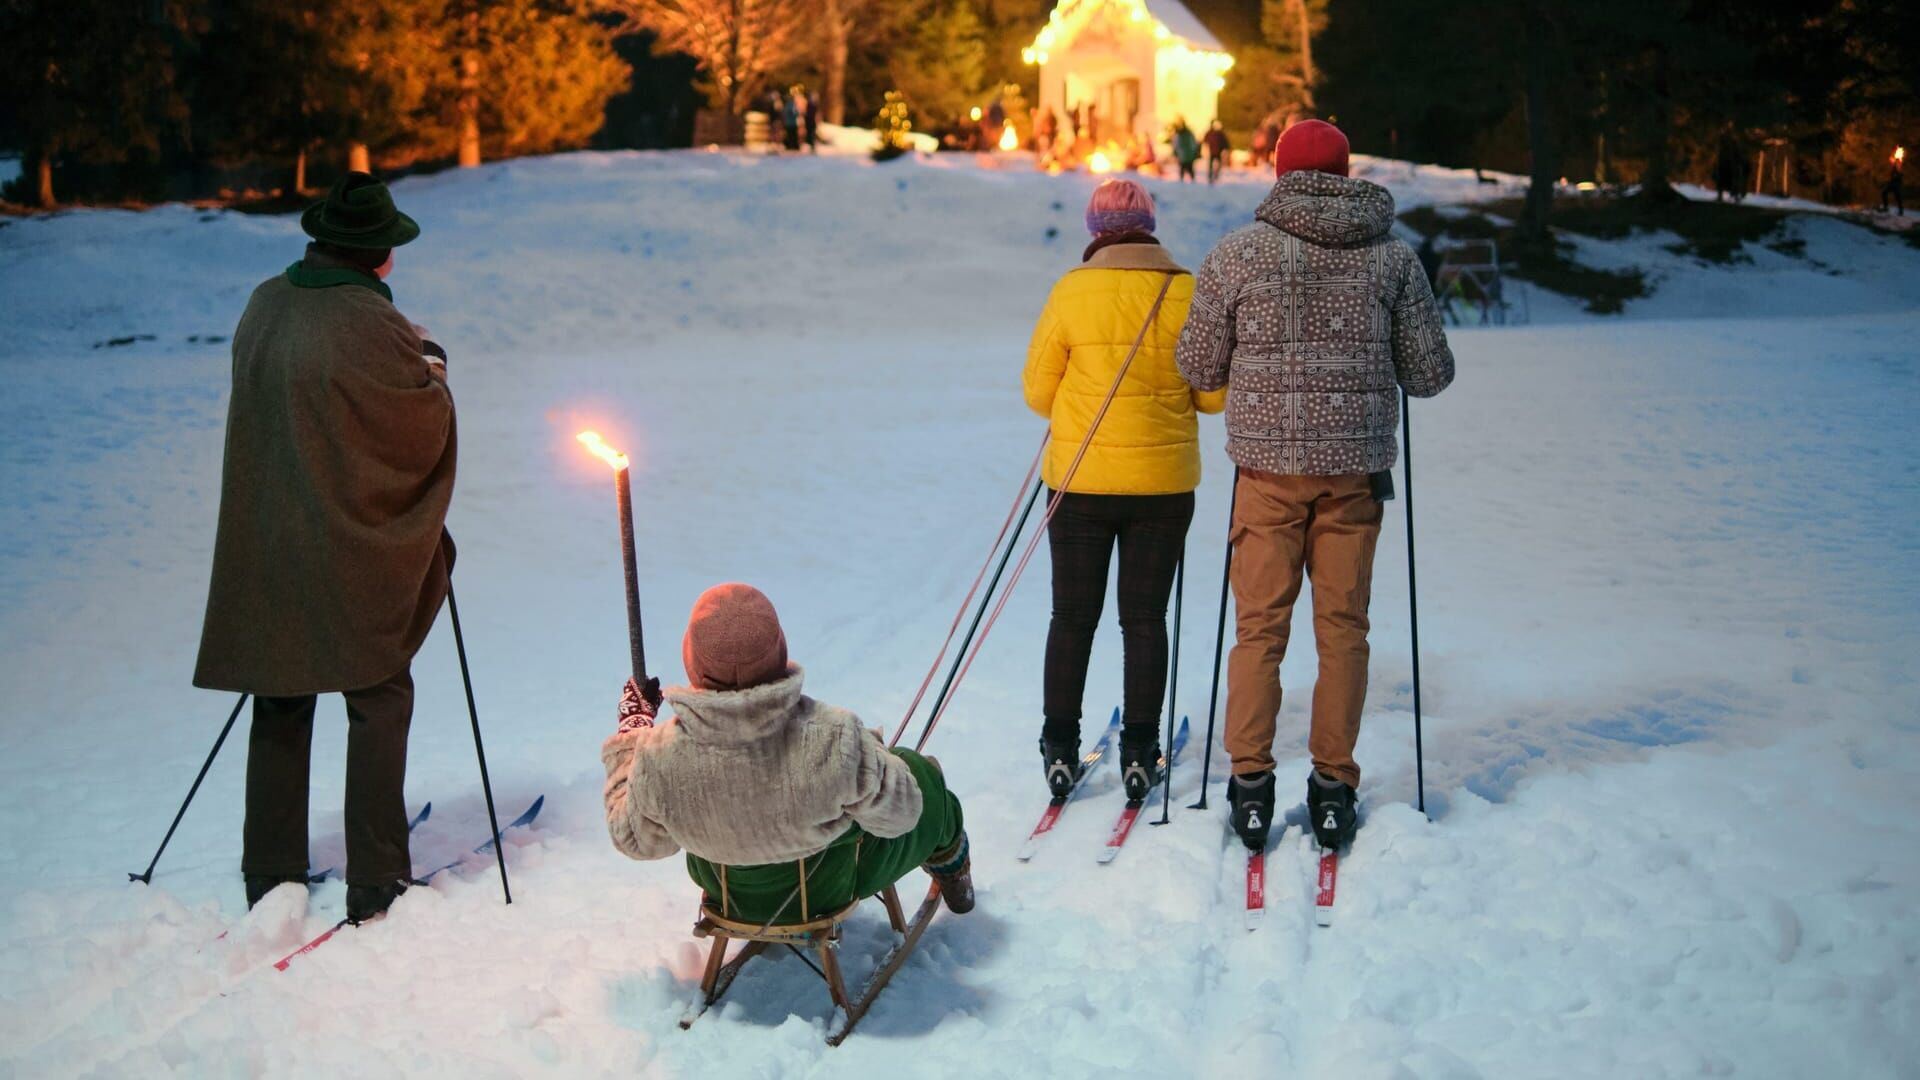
1062, 762
1330, 806
1139, 759
259, 887
366, 902
1250, 807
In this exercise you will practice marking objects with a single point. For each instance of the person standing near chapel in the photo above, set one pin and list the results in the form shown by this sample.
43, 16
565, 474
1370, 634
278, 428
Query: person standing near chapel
332, 558
1315, 317
1218, 147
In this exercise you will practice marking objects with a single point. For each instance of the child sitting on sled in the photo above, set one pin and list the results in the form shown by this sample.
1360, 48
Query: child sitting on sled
786, 807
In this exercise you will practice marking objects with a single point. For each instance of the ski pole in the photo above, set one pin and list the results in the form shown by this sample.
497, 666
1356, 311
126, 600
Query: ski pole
146, 878
1173, 685
1032, 471
1413, 605
940, 699
473, 713
1053, 507
1219, 645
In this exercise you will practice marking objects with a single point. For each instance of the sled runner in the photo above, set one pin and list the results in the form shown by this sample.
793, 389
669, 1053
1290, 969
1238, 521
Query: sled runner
821, 938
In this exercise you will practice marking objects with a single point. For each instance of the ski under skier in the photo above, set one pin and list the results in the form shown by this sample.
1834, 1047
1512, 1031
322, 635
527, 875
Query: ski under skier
1133, 489
331, 560
1317, 316
787, 808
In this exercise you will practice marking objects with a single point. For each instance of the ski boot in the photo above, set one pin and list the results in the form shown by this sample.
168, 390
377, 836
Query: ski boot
1062, 761
1330, 807
367, 902
1139, 759
952, 871
1250, 808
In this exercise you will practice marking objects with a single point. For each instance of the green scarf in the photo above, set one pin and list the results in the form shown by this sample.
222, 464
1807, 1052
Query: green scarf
311, 277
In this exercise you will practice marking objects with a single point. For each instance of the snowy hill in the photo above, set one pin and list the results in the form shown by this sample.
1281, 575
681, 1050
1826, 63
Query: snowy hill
1668, 566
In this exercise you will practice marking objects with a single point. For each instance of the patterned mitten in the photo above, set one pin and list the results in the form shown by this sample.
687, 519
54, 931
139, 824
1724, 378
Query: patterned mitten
638, 705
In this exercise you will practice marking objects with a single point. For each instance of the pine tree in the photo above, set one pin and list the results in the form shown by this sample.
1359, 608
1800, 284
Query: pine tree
846, 25
943, 68
92, 80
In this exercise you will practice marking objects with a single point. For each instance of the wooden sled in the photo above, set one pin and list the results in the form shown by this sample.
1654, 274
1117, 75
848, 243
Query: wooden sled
821, 938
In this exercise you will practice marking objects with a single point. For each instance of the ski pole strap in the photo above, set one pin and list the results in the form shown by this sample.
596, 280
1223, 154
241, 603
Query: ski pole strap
1053, 507
960, 615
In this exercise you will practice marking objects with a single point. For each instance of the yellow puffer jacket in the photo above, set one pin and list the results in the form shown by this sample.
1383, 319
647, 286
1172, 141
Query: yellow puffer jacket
1149, 442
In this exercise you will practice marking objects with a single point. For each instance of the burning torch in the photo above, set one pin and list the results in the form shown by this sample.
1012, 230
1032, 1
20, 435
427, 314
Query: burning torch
623, 492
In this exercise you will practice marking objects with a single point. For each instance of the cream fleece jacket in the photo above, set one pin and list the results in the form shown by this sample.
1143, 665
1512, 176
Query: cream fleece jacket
755, 776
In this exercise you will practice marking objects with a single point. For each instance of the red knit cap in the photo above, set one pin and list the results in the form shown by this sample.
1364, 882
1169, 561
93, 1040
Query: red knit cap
1311, 144
734, 640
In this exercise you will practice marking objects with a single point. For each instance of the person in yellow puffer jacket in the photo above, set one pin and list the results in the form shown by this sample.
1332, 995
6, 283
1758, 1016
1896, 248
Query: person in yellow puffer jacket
1133, 489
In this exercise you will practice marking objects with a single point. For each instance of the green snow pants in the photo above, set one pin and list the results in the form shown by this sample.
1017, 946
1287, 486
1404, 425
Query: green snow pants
854, 866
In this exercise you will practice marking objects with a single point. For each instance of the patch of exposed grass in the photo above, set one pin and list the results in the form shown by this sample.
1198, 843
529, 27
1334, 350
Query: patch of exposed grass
1427, 221
1550, 265
1712, 231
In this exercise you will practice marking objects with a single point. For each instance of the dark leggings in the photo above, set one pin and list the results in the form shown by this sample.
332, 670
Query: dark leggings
1151, 531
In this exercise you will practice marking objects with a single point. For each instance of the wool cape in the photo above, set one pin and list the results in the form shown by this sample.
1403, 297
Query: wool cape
331, 559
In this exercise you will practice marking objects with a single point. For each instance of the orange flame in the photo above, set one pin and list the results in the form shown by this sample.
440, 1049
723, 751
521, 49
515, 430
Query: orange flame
592, 441
1099, 163
1899, 154
1009, 139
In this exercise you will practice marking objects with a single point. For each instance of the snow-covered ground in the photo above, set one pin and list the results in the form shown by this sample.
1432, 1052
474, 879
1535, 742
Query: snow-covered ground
1669, 568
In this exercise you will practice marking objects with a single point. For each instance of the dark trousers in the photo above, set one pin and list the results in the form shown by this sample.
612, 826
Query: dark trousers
278, 749
1151, 531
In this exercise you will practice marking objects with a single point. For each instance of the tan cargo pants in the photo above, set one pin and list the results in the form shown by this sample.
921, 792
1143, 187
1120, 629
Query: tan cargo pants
1327, 526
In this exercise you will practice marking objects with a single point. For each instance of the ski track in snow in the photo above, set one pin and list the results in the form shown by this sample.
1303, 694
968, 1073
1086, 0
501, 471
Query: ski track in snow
1669, 565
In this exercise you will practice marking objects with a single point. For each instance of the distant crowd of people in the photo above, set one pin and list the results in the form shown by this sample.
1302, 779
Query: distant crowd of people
795, 114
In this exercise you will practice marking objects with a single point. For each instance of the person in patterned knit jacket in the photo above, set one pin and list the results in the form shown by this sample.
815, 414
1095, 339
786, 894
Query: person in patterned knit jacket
1315, 317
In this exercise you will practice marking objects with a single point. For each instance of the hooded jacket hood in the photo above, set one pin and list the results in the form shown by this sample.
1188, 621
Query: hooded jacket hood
1327, 210
737, 717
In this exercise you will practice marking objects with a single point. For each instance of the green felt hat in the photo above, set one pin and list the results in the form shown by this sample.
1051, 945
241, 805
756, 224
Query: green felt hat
359, 213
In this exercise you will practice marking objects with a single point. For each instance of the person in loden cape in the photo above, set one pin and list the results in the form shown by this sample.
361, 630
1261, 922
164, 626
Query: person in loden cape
332, 558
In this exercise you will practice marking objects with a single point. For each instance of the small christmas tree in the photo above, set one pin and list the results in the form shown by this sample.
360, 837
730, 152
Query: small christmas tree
894, 125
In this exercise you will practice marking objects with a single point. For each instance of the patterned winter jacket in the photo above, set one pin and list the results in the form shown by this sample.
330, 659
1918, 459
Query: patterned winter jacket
1313, 316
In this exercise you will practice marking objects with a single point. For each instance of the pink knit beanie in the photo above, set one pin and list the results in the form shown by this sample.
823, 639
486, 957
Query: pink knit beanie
734, 640
1119, 206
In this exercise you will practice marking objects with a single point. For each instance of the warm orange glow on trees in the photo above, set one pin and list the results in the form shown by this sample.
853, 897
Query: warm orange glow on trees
737, 43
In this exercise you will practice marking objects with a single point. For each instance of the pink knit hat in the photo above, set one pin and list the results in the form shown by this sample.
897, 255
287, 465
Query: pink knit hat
1119, 206
734, 640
